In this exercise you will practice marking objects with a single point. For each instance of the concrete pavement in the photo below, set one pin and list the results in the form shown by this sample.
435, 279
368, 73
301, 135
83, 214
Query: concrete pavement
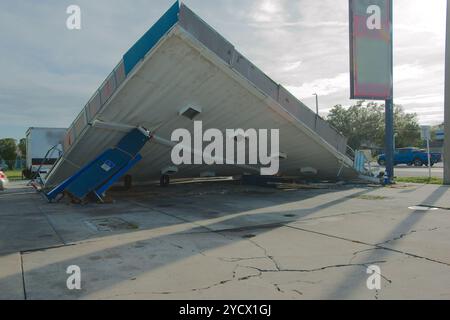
228, 241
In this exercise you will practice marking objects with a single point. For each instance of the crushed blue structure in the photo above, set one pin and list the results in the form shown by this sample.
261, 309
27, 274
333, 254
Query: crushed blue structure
99, 175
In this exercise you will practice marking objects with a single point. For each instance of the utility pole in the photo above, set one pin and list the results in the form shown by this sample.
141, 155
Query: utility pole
447, 102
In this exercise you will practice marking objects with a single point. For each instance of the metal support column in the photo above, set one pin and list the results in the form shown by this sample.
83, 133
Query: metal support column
389, 140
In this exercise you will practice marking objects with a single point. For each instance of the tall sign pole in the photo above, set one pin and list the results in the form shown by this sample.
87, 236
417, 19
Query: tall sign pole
371, 62
389, 106
389, 140
447, 103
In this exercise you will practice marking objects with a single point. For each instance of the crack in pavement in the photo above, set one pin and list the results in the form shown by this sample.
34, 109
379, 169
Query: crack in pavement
397, 238
356, 253
377, 293
365, 265
403, 235
220, 283
216, 284
271, 258
298, 292
238, 259
194, 289
371, 245
278, 288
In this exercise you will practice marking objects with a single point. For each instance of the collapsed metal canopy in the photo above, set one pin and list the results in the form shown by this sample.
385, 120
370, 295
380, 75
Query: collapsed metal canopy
181, 61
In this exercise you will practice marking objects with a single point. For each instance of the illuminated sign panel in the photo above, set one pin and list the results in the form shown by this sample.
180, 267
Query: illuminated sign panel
371, 49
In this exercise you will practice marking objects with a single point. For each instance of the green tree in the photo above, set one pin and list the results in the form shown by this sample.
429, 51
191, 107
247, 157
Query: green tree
8, 152
407, 129
363, 124
23, 148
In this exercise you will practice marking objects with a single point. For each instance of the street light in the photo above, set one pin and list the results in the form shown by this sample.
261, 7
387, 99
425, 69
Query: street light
317, 103
317, 109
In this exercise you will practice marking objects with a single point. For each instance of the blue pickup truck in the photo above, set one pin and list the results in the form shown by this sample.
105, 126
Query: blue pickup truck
411, 156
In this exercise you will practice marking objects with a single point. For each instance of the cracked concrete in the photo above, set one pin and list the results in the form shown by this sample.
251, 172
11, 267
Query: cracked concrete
227, 241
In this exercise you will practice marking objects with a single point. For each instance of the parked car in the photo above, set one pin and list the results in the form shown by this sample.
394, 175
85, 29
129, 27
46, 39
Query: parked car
411, 156
3, 180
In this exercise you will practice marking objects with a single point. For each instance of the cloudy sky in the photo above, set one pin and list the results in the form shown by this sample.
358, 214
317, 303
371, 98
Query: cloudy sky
49, 72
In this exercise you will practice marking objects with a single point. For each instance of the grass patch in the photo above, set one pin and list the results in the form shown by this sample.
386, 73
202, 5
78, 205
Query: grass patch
14, 175
421, 180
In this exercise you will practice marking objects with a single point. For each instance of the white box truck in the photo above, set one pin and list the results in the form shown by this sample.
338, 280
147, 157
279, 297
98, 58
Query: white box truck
44, 147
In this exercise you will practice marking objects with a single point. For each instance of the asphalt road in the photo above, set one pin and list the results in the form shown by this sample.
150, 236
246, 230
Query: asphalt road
437, 171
